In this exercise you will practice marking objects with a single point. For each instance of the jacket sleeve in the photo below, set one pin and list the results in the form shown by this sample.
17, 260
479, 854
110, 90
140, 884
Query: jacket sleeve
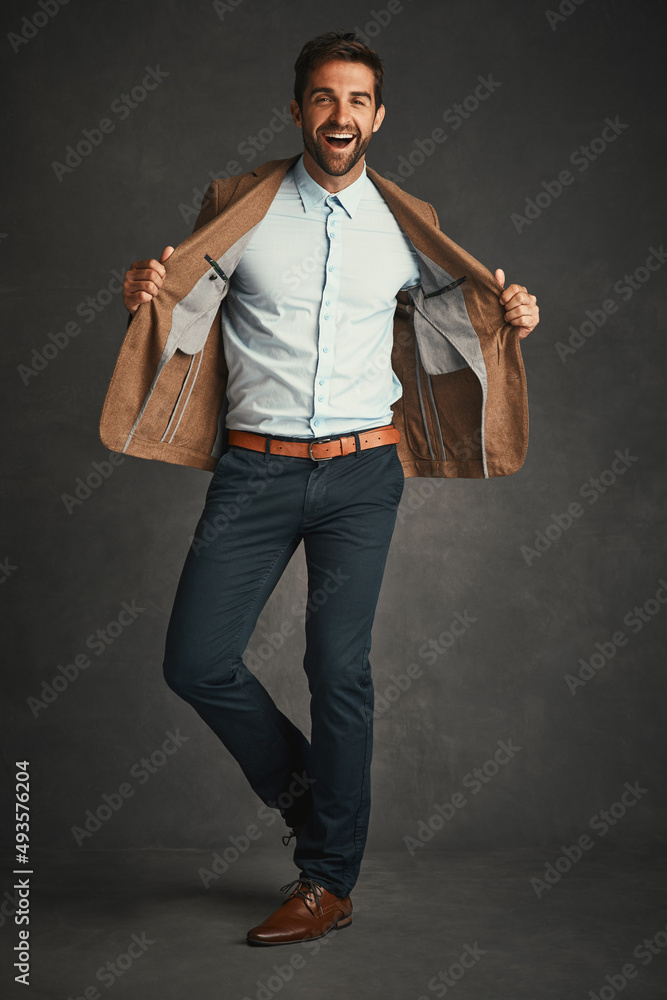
435, 217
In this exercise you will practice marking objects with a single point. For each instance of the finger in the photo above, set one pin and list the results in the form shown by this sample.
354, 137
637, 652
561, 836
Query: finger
146, 275
148, 280
518, 290
166, 254
511, 301
520, 315
134, 301
143, 286
513, 290
150, 264
500, 277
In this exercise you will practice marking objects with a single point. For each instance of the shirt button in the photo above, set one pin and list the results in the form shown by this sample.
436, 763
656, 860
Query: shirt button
321, 381
331, 267
316, 423
320, 398
326, 315
325, 350
327, 303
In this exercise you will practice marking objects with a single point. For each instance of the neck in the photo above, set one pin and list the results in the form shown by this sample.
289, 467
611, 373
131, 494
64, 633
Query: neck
329, 183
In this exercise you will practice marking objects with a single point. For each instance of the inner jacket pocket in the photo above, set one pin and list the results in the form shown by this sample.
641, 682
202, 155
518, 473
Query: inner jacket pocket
447, 288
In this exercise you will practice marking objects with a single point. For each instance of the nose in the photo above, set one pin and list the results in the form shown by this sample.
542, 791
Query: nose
337, 121
337, 114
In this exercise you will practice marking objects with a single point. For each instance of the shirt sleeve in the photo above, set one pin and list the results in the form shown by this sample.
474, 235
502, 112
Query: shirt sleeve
415, 277
414, 274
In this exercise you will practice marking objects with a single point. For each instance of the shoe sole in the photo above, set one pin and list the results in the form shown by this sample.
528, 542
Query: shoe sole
345, 922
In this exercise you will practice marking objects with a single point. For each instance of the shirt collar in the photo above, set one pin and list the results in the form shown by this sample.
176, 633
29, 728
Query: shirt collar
313, 194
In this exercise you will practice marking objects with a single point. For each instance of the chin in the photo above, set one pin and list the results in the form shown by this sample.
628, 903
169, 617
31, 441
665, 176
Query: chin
338, 170
332, 166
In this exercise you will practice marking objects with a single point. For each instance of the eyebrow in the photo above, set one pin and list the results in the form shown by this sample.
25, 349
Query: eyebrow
329, 90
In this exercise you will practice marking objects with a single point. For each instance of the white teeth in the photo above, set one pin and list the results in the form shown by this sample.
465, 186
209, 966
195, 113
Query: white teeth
339, 135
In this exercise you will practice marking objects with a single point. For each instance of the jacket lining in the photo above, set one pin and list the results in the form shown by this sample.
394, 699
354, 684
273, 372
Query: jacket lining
421, 401
435, 418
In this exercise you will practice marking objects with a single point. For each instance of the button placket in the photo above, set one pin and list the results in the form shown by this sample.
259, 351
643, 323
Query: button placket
327, 314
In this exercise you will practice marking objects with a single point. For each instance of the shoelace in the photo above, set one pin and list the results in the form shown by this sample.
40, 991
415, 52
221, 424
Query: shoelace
310, 886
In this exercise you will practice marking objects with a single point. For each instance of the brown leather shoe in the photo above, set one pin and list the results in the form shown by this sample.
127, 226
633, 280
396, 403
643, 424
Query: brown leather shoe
310, 911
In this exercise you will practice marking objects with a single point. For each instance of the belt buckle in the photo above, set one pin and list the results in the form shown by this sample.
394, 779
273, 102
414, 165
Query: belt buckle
310, 450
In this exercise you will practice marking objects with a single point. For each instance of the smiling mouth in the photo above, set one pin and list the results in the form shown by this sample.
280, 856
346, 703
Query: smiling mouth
338, 140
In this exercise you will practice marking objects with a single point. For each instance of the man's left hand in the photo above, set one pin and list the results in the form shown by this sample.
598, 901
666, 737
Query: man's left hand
520, 306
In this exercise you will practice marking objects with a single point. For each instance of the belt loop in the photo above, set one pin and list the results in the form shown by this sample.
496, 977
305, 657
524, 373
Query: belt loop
267, 449
358, 444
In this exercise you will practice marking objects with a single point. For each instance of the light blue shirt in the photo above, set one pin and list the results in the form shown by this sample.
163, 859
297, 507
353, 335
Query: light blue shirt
308, 317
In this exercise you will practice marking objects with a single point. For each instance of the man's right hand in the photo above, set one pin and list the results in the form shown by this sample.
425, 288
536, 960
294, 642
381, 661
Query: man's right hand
144, 280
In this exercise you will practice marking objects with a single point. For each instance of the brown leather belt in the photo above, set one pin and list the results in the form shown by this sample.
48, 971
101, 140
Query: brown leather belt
321, 449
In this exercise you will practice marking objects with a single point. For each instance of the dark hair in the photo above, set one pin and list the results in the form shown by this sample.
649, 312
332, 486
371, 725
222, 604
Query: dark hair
336, 45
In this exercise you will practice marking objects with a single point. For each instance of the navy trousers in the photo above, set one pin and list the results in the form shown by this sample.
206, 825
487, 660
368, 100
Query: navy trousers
258, 509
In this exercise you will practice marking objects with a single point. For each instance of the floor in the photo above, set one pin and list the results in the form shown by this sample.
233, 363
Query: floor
469, 926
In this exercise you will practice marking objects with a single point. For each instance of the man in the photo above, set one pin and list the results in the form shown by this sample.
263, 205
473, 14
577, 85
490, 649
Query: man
292, 322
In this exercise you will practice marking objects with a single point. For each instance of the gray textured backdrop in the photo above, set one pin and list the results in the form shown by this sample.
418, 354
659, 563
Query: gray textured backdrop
541, 604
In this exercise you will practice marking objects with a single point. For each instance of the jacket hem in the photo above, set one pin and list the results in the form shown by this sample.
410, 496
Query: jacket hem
436, 469
165, 452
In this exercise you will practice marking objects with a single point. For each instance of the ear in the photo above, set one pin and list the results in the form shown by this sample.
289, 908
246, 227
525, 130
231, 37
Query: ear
379, 118
296, 112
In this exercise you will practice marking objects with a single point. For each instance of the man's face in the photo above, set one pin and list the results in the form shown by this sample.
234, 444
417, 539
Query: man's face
338, 116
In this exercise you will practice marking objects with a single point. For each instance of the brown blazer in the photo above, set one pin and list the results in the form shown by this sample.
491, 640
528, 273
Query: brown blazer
464, 409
